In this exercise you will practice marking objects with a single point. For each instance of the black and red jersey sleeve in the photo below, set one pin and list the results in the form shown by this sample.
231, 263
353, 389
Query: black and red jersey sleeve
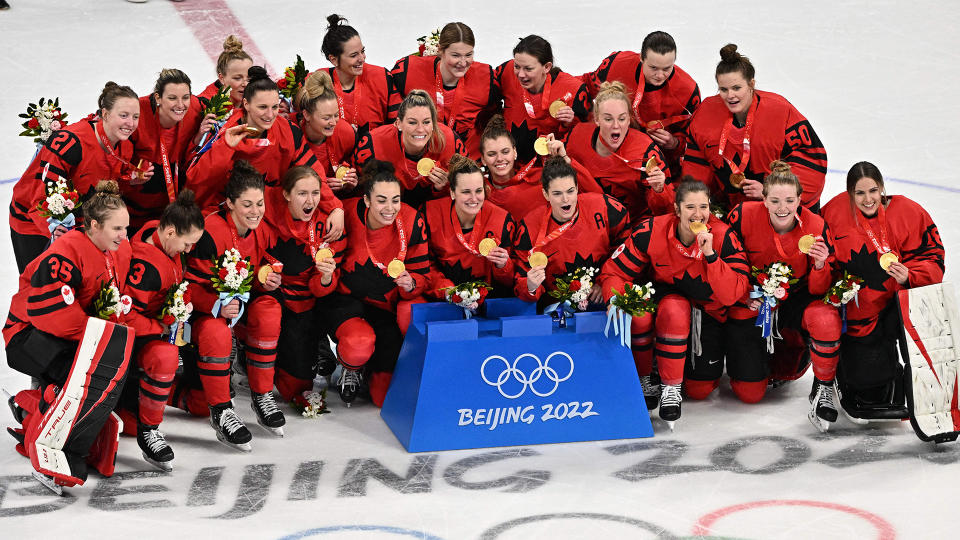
145, 287
628, 263
729, 273
618, 220
595, 78
54, 286
418, 260
806, 155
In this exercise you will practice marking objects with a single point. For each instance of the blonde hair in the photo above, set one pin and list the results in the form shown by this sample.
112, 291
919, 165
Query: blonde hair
232, 50
104, 200
316, 88
781, 175
420, 98
611, 90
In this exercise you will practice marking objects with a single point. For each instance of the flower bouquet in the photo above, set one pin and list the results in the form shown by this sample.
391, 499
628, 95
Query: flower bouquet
429, 45
43, 118
572, 292
467, 295
773, 287
220, 107
231, 279
843, 291
108, 302
293, 79
177, 308
61, 203
310, 404
634, 301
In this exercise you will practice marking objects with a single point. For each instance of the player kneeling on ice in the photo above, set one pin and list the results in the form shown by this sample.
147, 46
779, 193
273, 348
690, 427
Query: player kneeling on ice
890, 243
698, 270
65, 330
161, 308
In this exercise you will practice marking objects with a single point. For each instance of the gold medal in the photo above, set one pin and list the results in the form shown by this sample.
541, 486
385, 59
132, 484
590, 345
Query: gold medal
486, 245
887, 259
264, 272
556, 106
425, 165
323, 253
341, 172
537, 258
540, 146
736, 179
252, 131
806, 242
395, 268
651, 164
178, 340
696, 227
655, 124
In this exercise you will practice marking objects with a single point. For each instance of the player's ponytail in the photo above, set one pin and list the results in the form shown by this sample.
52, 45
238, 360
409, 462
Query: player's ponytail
496, 127
376, 171
232, 50
182, 214
781, 175
258, 81
460, 165
337, 34
317, 88
105, 200
611, 90
733, 62
111, 93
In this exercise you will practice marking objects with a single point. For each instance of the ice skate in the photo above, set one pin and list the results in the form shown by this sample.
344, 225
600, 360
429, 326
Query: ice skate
326, 361
651, 391
670, 399
268, 414
349, 385
18, 413
154, 448
230, 429
823, 411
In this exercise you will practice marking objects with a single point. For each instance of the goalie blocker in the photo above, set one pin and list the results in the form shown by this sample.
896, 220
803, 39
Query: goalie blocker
70, 426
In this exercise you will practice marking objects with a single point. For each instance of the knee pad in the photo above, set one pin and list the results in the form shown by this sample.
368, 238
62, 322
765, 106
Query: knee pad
159, 360
213, 337
699, 389
356, 342
822, 321
673, 317
749, 392
263, 320
290, 386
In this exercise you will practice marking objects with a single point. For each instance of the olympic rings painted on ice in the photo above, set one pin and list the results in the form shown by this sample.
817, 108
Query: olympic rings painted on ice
511, 371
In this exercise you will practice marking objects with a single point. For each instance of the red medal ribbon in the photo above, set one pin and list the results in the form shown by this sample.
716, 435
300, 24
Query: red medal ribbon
338, 89
401, 254
746, 138
311, 231
882, 245
108, 148
695, 253
635, 164
458, 93
167, 173
457, 230
776, 237
544, 98
543, 238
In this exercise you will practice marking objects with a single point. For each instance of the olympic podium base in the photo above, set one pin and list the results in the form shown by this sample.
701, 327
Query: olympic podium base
511, 378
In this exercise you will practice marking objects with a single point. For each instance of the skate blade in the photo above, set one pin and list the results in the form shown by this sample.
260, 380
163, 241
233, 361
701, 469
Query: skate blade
243, 447
670, 424
275, 431
854, 419
49, 483
165, 466
819, 423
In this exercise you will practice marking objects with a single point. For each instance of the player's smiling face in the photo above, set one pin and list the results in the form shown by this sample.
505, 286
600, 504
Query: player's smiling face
868, 196
262, 109
173, 103
416, 126
323, 120
303, 198
499, 155
735, 91
695, 206
352, 58
456, 59
613, 117
562, 196
236, 77
530, 72
468, 196
782, 202
247, 209
383, 204
108, 234
122, 120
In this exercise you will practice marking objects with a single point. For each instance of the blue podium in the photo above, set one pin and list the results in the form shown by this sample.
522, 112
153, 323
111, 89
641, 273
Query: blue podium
511, 378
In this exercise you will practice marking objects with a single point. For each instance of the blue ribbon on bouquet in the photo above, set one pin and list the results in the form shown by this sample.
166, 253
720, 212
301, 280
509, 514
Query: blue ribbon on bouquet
68, 222
767, 316
620, 320
224, 299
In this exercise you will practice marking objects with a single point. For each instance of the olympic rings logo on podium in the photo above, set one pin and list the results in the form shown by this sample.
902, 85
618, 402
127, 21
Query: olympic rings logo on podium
511, 371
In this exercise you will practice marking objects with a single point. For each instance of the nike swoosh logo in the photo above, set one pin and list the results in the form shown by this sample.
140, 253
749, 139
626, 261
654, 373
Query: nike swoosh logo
841, 237
712, 145
712, 362
659, 265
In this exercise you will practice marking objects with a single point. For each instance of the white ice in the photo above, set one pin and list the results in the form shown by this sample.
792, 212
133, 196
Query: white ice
878, 82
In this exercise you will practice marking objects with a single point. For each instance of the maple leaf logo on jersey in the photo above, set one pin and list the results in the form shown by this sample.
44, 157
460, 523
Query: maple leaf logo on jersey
581, 262
295, 258
694, 287
866, 264
367, 280
524, 135
457, 273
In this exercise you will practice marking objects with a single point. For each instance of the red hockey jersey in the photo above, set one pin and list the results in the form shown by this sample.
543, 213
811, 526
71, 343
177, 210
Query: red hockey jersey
272, 153
763, 247
910, 233
385, 143
373, 100
653, 253
623, 174
528, 115
458, 107
152, 274
360, 274
674, 101
779, 131
524, 191
295, 246
601, 224
75, 154
454, 263
335, 150
58, 289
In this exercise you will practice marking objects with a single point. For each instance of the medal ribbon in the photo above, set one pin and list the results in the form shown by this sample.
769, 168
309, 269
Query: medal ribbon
776, 238
457, 99
311, 231
107, 147
338, 89
401, 254
672, 238
543, 238
544, 98
457, 230
746, 139
882, 245
167, 173
635, 164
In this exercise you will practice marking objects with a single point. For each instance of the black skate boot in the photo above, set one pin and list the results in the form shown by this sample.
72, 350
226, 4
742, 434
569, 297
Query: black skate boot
155, 449
651, 391
229, 427
268, 414
326, 360
349, 385
823, 411
670, 399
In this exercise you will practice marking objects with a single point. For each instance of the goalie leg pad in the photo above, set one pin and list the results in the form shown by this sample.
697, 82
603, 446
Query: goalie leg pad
61, 439
103, 451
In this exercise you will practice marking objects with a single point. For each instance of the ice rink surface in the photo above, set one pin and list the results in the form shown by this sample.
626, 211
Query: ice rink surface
878, 81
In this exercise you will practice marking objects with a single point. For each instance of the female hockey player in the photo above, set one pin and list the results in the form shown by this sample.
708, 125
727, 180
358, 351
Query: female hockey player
329, 136
696, 272
735, 135
461, 88
624, 161
233, 64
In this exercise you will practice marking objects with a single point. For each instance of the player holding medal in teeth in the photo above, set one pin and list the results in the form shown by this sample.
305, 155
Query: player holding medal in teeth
778, 229
736, 134
625, 161
892, 243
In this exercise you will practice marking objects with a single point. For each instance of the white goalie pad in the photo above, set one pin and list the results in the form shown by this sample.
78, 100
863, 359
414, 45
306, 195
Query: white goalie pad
931, 353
